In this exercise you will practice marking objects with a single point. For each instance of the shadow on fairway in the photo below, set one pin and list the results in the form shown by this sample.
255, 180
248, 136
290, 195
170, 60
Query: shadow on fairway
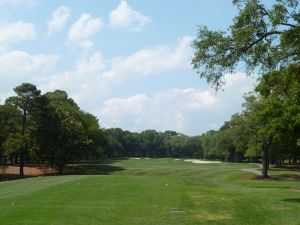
93, 168
291, 200
290, 176
8, 177
104, 167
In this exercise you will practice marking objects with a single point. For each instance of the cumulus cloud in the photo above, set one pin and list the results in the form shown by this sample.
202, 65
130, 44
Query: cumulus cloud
152, 61
15, 32
84, 28
19, 66
94, 76
59, 19
84, 83
125, 17
190, 110
162, 111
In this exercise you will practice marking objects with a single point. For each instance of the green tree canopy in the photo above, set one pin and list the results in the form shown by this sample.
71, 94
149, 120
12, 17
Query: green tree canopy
261, 37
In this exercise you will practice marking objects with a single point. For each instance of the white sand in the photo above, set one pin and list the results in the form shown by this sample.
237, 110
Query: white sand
135, 158
176, 159
200, 161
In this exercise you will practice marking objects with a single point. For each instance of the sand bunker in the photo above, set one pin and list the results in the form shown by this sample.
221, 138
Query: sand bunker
200, 161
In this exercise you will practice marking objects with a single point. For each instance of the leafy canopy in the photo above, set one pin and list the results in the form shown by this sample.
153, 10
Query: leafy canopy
259, 37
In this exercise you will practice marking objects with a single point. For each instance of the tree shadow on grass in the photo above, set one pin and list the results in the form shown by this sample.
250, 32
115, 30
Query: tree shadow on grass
92, 168
290, 176
281, 177
285, 169
99, 167
104, 167
291, 200
8, 177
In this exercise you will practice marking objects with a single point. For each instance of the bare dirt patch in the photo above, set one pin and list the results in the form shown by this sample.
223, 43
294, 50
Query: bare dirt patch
12, 172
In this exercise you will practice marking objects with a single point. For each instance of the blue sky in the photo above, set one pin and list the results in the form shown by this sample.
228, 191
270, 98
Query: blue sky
127, 62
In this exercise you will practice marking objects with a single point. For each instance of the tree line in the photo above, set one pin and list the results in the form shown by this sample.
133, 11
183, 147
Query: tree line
51, 129
151, 143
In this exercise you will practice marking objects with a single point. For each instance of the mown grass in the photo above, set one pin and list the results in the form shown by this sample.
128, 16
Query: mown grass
151, 191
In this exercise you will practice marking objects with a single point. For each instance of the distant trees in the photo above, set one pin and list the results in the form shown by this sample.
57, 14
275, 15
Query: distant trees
151, 143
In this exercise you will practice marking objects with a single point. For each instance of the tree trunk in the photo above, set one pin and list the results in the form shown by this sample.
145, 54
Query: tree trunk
266, 142
21, 163
60, 168
22, 150
11, 159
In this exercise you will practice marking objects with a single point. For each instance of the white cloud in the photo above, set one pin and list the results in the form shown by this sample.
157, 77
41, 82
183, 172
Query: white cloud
59, 19
163, 110
152, 61
133, 107
18, 66
84, 28
20, 3
15, 32
86, 44
190, 111
94, 77
125, 17
93, 65
84, 83
22, 62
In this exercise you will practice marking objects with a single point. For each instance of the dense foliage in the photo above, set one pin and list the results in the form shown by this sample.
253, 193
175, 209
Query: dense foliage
47, 128
151, 143
260, 37
264, 39
272, 112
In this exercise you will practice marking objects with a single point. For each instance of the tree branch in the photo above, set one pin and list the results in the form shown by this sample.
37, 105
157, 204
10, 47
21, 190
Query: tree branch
246, 48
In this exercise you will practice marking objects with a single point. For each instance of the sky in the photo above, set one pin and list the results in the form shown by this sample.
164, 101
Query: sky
126, 62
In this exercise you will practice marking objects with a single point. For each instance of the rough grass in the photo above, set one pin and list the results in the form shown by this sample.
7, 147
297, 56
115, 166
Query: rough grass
153, 191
